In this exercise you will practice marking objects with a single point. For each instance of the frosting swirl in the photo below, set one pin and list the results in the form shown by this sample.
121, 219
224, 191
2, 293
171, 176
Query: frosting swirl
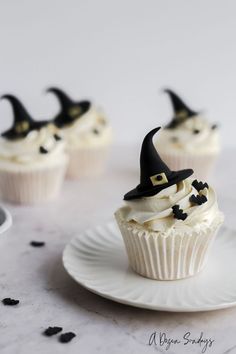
39, 147
156, 212
90, 130
195, 135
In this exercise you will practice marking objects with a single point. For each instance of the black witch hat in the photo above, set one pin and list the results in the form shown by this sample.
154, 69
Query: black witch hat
181, 111
70, 110
155, 174
23, 123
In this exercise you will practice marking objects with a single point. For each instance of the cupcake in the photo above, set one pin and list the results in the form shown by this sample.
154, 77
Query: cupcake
87, 135
32, 159
169, 220
189, 140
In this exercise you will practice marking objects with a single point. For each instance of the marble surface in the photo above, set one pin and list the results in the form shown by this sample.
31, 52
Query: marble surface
48, 296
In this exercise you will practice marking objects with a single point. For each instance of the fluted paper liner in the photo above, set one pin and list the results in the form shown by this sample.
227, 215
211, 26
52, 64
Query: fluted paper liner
87, 162
202, 165
165, 257
33, 186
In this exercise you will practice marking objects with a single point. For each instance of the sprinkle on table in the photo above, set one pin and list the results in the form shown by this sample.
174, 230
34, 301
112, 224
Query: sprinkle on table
10, 302
66, 337
37, 243
51, 331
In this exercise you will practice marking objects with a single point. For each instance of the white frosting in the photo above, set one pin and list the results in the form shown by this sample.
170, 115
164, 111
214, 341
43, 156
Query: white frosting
25, 153
81, 134
206, 141
156, 212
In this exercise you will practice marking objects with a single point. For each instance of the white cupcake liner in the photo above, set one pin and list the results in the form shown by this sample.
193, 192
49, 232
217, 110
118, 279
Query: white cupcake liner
202, 165
32, 186
165, 257
86, 162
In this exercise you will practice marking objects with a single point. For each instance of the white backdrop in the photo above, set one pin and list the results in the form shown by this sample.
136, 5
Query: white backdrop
121, 53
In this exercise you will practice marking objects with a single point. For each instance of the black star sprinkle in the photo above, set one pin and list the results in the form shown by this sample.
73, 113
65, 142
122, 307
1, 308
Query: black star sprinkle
66, 337
196, 131
10, 302
178, 213
57, 137
198, 199
37, 243
214, 126
51, 331
42, 150
95, 131
199, 185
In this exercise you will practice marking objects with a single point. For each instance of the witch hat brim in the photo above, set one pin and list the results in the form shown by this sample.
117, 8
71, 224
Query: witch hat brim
11, 134
175, 177
155, 174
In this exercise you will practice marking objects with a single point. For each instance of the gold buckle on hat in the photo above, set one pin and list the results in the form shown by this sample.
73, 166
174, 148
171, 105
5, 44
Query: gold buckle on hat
181, 115
22, 127
159, 179
74, 111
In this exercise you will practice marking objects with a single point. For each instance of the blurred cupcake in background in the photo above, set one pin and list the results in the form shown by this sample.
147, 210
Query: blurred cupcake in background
32, 159
87, 134
189, 140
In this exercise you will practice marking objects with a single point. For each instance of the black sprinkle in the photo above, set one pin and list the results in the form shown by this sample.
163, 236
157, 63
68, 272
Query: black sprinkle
196, 131
66, 337
10, 302
95, 131
199, 185
178, 213
57, 137
50, 331
214, 126
37, 243
42, 150
198, 199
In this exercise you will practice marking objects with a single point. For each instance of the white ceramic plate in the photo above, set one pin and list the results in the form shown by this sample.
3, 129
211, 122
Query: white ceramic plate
5, 220
97, 260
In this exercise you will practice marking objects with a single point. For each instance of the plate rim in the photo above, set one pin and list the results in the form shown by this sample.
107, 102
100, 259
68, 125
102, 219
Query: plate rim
7, 223
134, 303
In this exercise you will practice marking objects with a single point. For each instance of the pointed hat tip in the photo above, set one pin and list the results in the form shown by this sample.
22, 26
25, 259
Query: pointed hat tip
167, 90
61, 94
152, 133
7, 96
51, 89
12, 99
